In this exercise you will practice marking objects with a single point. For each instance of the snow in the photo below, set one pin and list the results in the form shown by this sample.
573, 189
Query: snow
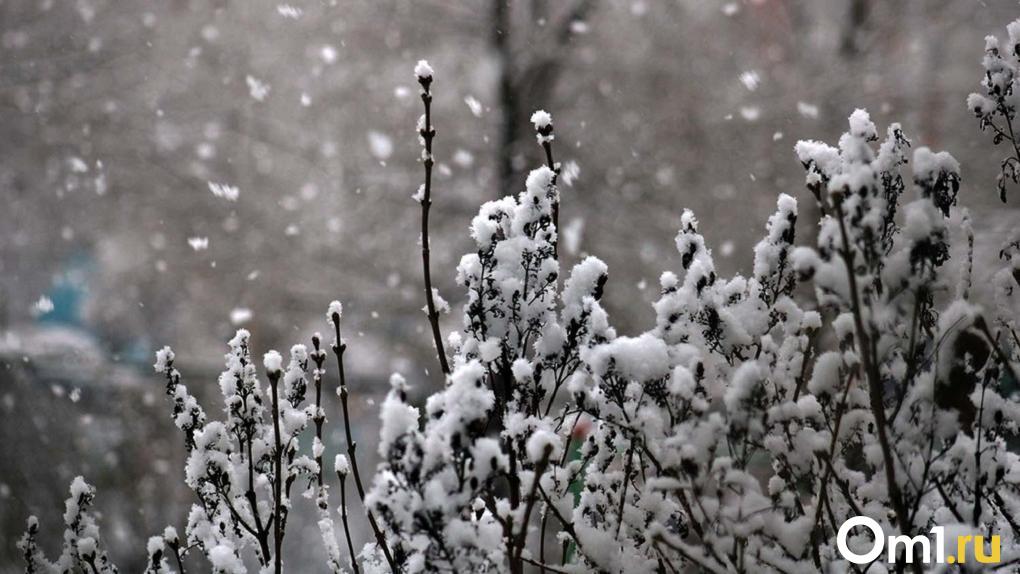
542, 441
398, 418
170, 535
750, 79
572, 234
225, 191
335, 311
861, 125
273, 362
164, 357
927, 164
380, 144
342, 465
240, 315
474, 105
198, 243
257, 89
807, 110
542, 119
569, 172
155, 544
642, 358
42, 306
422, 70
289, 11
224, 560
328, 54
87, 546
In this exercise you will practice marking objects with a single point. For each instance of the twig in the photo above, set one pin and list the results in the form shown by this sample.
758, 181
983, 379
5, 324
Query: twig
545, 137
338, 349
427, 132
274, 383
319, 357
522, 536
343, 518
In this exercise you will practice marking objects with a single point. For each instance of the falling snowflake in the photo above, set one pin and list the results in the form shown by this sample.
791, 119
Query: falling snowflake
228, 192
751, 80
257, 88
807, 110
288, 11
240, 315
328, 54
43, 306
474, 105
750, 113
569, 172
380, 144
198, 243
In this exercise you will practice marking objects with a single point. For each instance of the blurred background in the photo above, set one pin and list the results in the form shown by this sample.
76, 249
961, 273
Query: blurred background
127, 128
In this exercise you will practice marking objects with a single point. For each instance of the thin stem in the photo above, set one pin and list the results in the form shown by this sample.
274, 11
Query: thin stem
545, 133
343, 519
319, 357
522, 536
177, 556
627, 469
568, 526
428, 133
338, 349
274, 383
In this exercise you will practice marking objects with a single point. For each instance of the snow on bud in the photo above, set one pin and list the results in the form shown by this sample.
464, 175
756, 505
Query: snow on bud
523, 370
87, 546
422, 70
273, 362
224, 559
539, 180
155, 545
299, 353
543, 125
805, 262
980, 105
164, 357
861, 125
543, 445
342, 465
542, 120
336, 311
170, 535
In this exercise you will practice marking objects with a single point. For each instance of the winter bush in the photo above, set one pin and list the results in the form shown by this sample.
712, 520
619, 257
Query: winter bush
855, 377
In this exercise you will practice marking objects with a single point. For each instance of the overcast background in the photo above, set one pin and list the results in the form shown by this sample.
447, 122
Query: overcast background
115, 116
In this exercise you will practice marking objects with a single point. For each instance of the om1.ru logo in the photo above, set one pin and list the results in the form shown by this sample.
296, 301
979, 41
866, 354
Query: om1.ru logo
917, 546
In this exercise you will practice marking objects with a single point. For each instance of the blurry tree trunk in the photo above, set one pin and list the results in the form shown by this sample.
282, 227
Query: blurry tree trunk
527, 77
855, 27
932, 32
508, 100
